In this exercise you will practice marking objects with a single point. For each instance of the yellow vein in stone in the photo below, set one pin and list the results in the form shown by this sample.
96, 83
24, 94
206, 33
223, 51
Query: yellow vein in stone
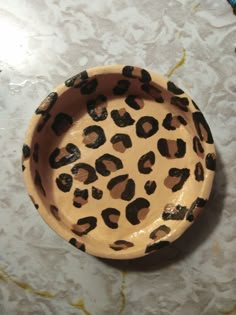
122, 293
81, 306
177, 65
4, 276
196, 6
29, 288
231, 312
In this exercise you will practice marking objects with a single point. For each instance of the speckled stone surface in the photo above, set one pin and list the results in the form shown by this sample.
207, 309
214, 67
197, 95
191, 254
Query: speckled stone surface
44, 42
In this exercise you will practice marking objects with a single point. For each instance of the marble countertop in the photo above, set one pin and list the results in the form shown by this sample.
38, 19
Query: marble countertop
45, 42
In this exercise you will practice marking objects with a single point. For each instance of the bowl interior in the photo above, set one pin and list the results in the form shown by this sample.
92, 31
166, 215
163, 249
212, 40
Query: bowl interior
119, 162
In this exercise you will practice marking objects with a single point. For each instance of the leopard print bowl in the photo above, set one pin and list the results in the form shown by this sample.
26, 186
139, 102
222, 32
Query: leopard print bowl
118, 161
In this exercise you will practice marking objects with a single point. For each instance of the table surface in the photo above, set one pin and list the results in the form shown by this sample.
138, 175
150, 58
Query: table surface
42, 44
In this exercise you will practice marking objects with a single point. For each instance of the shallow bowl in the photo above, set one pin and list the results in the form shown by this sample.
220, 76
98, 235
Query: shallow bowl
118, 161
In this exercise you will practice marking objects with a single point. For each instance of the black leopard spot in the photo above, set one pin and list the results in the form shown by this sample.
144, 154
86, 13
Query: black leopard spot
64, 182
150, 187
84, 226
172, 212
121, 87
33, 201
122, 187
134, 102
211, 161
84, 173
171, 148
195, 105
97, 193
127, 71
36, 153
23, 167
145, 162
174, 89
156, 246
97, 108
38, 182
153, 91
159, 232
64, 156
111, 217
146, 127
87, 86
55, 212
80, 197
94, 137
181, 102
26, 151
121, 142
108, 163
202, 128
137, 210
76, 79
182, 120
176, 178
135, 72
197, 147
173, 122
199, 172
61, 124
121, 245
43, 122
122, 118
195, 209
145, 76
77, 244
47, 104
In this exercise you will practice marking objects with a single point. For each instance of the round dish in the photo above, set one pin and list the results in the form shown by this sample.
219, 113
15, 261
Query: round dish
118, 161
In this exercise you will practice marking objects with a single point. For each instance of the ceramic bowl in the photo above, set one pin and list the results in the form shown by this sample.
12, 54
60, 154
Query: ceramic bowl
118, 161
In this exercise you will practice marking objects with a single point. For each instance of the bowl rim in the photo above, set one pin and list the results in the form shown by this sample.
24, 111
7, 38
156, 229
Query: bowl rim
66, 234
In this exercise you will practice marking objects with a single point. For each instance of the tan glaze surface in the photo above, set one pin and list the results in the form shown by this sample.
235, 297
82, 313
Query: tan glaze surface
118, 222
